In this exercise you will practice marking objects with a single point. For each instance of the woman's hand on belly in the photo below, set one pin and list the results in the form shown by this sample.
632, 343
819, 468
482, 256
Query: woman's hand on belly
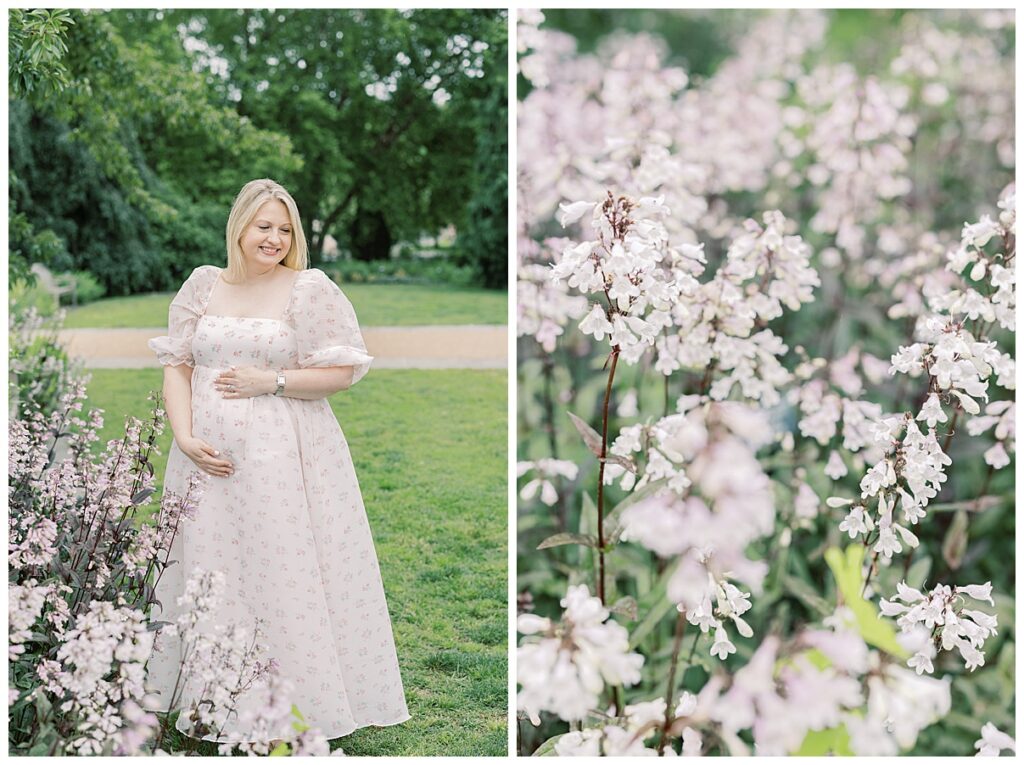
206, 457
245, 382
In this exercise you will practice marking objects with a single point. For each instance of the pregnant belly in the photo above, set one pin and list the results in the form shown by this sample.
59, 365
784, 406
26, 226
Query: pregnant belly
255, 434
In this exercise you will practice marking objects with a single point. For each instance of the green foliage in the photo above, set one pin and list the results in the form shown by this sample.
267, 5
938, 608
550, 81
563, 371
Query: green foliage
355, 91
87, 289
132, 150
403, 270
36, 45
39, 367
831, 741
848, 571
126, 162
483, 243
25, 245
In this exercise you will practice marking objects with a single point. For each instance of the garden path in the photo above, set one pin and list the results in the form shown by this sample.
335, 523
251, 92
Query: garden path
467, 346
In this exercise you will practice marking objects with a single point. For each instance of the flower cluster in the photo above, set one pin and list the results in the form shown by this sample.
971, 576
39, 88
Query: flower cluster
718, 500
564, 668
100, 666
546, 469
631, 263
722, 325
946, 622
629, 733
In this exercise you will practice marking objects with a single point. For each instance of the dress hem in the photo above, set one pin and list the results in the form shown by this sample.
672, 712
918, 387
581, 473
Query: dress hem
328, 736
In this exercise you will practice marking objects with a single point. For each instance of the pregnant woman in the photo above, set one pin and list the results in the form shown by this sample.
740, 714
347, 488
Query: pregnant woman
253, 352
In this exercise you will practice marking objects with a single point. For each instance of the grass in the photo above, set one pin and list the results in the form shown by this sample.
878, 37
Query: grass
430, 453
377, 305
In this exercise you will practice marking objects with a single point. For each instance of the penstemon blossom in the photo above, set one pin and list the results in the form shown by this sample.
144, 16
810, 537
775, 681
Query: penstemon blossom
948, 622
563, 666
717, 502
993, 741
631, 265
546, 470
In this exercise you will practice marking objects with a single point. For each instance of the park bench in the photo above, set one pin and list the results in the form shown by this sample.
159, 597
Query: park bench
57, 285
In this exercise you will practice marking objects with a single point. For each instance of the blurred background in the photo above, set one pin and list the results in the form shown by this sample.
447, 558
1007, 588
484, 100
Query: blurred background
131, 132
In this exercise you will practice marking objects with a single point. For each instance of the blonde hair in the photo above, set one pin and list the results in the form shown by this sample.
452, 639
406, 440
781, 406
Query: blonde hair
250, 199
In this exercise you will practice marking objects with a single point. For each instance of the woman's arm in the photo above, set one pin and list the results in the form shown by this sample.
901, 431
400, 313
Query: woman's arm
178, 403
310, 383
178, 400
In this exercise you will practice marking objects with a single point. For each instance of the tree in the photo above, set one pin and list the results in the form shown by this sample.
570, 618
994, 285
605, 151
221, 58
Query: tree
484, 240
381, 105
128, 150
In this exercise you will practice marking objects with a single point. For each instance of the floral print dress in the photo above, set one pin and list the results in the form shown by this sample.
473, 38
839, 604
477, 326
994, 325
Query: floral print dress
288, 528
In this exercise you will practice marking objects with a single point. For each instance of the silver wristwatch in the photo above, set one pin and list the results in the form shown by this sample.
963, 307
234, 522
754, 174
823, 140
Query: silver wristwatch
280, 383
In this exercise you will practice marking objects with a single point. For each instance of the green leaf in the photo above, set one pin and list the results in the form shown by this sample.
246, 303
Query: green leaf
816, 658
830, 741
299, 725
803, 592
547, 749
281, 750
556, 540
847, 570
955, 544
660, 605
917, 574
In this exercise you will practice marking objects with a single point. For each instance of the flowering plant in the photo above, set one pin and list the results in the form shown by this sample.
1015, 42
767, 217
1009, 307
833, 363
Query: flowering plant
787, 366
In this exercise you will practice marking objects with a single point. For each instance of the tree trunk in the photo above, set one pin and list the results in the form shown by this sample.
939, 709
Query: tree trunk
370, 237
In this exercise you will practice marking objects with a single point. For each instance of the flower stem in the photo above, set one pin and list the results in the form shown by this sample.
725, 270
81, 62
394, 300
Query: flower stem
670, 690
600, 475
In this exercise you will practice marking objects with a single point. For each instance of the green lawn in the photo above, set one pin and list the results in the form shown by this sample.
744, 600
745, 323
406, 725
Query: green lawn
430, 452
377, 305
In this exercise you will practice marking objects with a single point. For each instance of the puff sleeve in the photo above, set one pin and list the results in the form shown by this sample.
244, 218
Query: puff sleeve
326, 326
188, 305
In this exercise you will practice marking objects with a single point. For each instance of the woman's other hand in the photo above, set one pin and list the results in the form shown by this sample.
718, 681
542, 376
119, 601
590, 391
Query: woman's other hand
245, 382
206, 457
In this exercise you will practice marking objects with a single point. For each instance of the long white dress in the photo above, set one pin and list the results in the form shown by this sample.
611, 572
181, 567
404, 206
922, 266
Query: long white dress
288, 528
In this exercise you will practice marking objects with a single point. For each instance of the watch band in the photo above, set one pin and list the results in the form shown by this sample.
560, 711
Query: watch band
280, 383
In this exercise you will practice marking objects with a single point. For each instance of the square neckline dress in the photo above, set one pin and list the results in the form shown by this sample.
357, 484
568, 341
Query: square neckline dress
288, 529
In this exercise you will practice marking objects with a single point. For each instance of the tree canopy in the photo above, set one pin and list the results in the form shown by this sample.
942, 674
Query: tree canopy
382, 124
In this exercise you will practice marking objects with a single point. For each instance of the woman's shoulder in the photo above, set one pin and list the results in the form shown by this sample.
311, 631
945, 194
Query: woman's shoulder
203, 275
315, 280
197, 288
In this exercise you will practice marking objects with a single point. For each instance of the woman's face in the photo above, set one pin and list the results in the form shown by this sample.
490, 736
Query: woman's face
268, 238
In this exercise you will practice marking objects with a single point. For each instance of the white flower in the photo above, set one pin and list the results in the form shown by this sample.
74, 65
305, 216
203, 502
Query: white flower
996, 456
960, 628
854, 523
932, 412
722, 646
978, 592
993, 741
596, 323
978, 234
835, 469
564, 670
572, 212
693, 742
